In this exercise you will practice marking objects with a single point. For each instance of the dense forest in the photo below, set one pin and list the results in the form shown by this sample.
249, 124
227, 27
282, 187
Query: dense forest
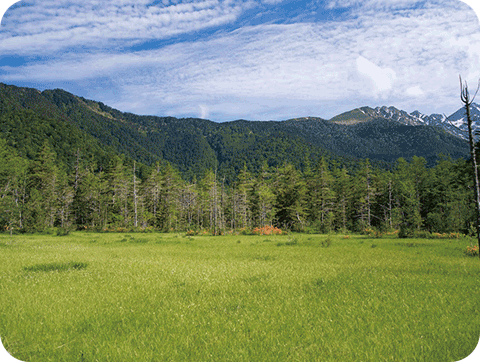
40, 195
70, 163
195, 146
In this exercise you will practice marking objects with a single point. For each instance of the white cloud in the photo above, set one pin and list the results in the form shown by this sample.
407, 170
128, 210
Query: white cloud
414, 91
381, 78
51, 25
271, 2
411, 55
203, 111
370, 4
362, 5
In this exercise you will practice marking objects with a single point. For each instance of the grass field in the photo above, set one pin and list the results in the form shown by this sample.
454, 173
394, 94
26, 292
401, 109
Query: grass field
169, 297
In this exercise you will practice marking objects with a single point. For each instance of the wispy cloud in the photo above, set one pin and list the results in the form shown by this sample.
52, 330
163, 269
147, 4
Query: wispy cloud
51, 25
409, 57
381, 78
376, 4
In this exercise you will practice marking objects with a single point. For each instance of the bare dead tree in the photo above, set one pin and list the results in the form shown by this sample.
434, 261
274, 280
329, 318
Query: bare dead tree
467, 102
135, 197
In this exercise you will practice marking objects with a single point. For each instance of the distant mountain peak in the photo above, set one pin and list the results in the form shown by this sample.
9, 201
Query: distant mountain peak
365, 114
455, 124
457, 121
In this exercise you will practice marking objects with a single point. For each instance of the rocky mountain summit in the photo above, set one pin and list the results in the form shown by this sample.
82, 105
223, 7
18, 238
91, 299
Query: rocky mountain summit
455, 124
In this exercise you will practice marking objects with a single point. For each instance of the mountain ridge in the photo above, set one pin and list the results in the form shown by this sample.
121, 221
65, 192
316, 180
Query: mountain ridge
454, 124
194, 145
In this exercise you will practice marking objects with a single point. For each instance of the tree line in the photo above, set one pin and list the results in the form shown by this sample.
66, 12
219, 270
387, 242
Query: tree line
39, 195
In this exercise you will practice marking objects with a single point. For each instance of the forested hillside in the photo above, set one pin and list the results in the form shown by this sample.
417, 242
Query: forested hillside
69, 162
194, 146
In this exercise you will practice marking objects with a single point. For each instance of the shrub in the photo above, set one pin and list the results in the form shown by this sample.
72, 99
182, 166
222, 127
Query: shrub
48, 267
326, 242
292, 241
63, 232
408, 233
267, 230
472, 250
405, 232
373, 233
310, 230
244, 231
422, 234
472, 230
48, 231
446, 235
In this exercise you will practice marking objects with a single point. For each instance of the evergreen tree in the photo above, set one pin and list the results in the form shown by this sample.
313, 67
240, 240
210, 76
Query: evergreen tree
290, 198
263, 198
167, 216
242, 197
406, 188
13, 174
386, 203
344, 190
448, 197
321, 196
120, 180
364, 195
93, 199
209, 206
188, 199
43, 188
152, 190
65, 196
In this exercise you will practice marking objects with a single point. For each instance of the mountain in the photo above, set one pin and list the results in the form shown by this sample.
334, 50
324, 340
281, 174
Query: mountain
28, 117
455, 124
459, 119
365, 114
382, 139
27, 120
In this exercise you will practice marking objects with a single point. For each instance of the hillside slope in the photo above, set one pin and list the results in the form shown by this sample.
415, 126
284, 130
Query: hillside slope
69, 122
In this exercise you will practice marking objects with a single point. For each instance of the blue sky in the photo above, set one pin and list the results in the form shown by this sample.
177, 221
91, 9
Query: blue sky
249, 59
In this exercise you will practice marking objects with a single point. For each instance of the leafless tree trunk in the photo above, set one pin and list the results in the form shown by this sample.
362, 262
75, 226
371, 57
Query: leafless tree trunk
215, 203
135, 195
390, 203
77, 166
467, 102
369, 204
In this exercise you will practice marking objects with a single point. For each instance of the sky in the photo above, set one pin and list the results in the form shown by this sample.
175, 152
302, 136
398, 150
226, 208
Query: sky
245, 59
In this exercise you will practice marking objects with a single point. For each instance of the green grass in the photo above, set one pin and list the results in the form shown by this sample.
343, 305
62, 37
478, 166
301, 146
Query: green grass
46, 267
169, 297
